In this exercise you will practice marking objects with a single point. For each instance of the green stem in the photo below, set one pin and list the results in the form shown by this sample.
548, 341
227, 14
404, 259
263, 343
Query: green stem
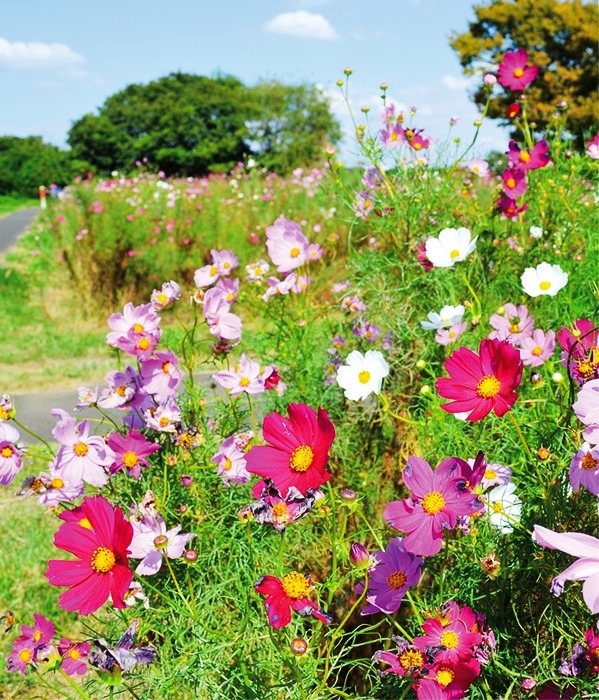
478, 308
179, 591
521, 436
35, 435
385, 406
74, 685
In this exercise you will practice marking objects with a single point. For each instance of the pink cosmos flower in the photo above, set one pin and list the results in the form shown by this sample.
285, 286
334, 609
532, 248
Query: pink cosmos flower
315, 251
99, 538
301, 284
287, 246
221, 321
23, 654
276, 286
514, 72
231, 462
536, 157
537, 348
584, 469
363, 204
165, 418
478, 166
206, 276
73, 655
286, 594
481, 383
166, 296
509, 208
130, 452
585, 568
593, 147
446, 336
396, 570
456, 640
135, 331
41, 633
514, 182
51, 488
225, 260
580, 350
392, 135
298, 451
229, 287
160, 375
121, 389
586, 408
245, 376
151, 540
437, 499
447, 681
11, 454
81, 457
513, 325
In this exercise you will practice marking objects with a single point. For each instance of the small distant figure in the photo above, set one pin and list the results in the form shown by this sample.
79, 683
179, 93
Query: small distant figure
42, 193
55, 190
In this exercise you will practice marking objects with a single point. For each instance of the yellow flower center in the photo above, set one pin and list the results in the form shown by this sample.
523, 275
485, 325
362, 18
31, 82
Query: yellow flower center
514, 328
164, 421
545, 286
81, 449
510, 182
488, 387
518, 73
294, 252
411, 658
524, 157
450, 640
364, 377
280, 513
130, 460
490, 475
7, 452
161, 298
295, 585
497, 507
103, 560
244, 381
4, 414
393, 136
445, 676
74, 653
120, 390
454, 254
537, 350
588, 462
166, 367
138, 328
25, 655
301, 458
56, 483
37, 635
213, 270
396, 580
226, 265
417, 146
228, 464
433, 502
586, 369
143, 344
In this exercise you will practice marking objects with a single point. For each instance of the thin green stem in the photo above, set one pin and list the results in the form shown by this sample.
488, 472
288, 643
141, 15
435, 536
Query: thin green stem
521, 436
35, 435
179, 591
74, 685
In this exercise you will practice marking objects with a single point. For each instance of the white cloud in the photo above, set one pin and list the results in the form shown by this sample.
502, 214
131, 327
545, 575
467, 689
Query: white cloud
33, 54
461, 83
303, 24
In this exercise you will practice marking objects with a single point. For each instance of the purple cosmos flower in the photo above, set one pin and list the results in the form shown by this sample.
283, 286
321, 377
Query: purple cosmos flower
363, 204
586, 407
73, 655
168, 294
151, 540
514, 325
22, 655
585, 568
11, 454
353, 304
537, 348
86, 397
366, 331
244, 376
160, 375
130, 452
584, 469
315, 252
231, 462
438, 499
495, 475
396, 570
393, 135
340, 287
273, 509
123, 656
372, 178
80, 457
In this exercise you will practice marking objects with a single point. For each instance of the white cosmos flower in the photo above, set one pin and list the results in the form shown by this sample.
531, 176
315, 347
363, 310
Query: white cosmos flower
536, 232
362, 374
543, 279
504, 507
452, 246
444, 319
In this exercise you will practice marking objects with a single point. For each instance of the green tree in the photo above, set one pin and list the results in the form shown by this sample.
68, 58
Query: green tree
291, 125
561, 39
27, 163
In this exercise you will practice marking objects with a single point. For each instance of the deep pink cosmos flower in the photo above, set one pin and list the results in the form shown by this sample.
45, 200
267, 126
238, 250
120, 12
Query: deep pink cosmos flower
73, 655
509, 207
22, 655
396, 570
482, 383
456, 640
438, 499
580, 350
447, 681
40, 634
536, 157
98, 535
130, 452
514, 72
514, 182
286, 594
298, 451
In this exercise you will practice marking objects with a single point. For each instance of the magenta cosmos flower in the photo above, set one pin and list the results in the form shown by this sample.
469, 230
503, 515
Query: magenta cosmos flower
286, 594
438, 499
456, 641
298, 451
396, 570
130, 452
98, 534
514, 182
536, 157
73, 655
482, 383
580, 350
514, 72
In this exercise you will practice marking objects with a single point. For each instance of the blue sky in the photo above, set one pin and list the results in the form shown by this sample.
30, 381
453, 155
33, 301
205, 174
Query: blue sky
60, 60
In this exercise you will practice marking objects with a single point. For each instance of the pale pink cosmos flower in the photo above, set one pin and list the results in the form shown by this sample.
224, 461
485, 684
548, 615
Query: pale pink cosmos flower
256, 271
584, 469
513, 325
586, 408
537, 348
585, 568
11, 454
133, 325
229, 287
244, 376
478, 166
315, 251
276, 286
81, 456
302, 283
221, 321
287, 246
164, 418
225, 260
52, 488
86, 397
167, 295
446, 336
121, 389
231, 462
151, 540
206, 276
160, 375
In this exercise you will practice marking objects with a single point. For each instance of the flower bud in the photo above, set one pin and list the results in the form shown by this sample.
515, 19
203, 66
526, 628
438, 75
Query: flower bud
299, 646
489, 79
186, 480
536, 378
557, 377
384, 86
543, 453
359, 556
190, 555
348, 71
161, 542
421, 364
425, 389
348, 495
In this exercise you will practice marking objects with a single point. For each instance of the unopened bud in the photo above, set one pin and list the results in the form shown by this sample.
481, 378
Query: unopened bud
190, 555
536, 378
543, 453
298, 646
348, 495
359, 556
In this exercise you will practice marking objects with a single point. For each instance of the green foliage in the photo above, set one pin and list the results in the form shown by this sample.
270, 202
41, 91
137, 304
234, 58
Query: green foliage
27, 163
191, 125
561, 39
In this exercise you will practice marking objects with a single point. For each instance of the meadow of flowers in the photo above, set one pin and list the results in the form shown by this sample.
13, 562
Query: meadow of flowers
349, 446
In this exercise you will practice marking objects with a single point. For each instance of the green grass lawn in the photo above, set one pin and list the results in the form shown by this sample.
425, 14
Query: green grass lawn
8, 204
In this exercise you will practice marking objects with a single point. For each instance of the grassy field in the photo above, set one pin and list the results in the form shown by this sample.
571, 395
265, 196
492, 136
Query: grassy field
9, 204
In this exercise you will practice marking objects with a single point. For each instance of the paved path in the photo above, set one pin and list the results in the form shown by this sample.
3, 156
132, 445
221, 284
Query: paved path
13, 225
